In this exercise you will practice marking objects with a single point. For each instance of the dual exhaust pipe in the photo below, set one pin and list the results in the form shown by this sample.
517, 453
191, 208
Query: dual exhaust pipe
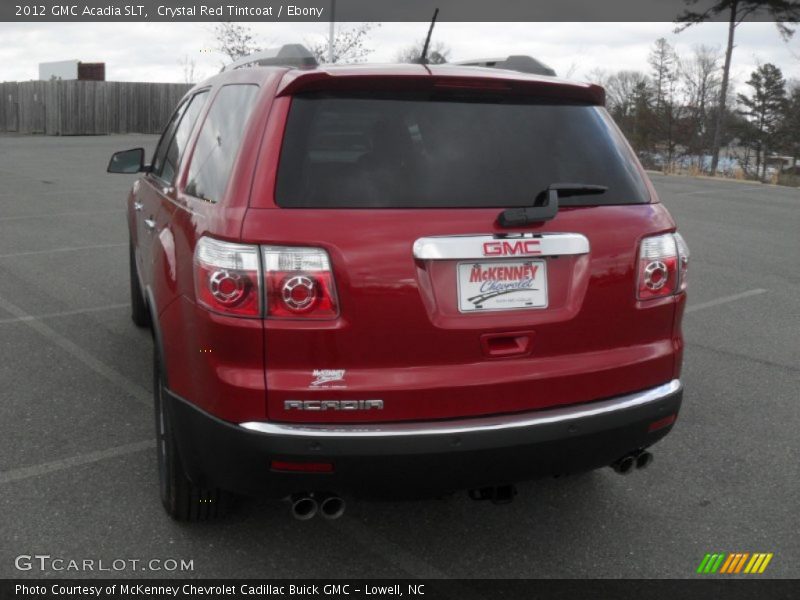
500, 494
305, 506
629, 462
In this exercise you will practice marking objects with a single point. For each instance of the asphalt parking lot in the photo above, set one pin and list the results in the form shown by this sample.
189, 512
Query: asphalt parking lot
77, 461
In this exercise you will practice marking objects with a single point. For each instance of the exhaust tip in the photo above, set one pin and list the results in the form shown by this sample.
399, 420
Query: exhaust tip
501, 494
504, 494
624, 465
332, 507
643, 459
304, 507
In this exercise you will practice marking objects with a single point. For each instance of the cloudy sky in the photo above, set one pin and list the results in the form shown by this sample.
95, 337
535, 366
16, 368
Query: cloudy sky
156, 51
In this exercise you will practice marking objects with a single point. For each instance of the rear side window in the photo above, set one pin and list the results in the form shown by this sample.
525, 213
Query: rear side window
163, 143
178, 144
361, 152
218, 142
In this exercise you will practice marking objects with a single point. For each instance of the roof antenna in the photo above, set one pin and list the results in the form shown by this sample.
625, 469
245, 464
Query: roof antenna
423, 59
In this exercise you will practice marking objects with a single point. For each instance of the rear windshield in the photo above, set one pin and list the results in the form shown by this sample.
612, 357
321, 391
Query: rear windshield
357, 152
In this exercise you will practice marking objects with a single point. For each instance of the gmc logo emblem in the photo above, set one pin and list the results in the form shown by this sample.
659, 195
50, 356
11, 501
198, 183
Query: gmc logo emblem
526, 247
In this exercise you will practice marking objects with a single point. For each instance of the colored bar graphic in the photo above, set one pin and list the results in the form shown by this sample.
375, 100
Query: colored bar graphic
755, 561
741, 562
717, 563
703, 563
727, 564
730, 564
766, 562
734, 563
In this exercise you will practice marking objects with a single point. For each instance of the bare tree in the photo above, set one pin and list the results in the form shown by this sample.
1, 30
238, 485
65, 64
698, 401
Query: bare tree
621, 91
700, 78
438, 53
783, 12
349, 44
188, 65
629, 100
598, 76
571, 70
235, 40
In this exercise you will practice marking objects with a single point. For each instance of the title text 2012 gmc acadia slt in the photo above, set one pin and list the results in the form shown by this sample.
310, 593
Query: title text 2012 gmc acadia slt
399, 280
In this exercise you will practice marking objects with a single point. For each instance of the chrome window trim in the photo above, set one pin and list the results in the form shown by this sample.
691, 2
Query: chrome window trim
458, 247
470, 425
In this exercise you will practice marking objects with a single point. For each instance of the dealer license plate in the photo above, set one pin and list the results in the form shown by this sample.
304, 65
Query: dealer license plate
502, 285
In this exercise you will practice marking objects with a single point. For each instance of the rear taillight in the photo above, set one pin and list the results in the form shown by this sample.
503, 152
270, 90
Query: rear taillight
233, 278
683, 258
227, 277
663, 263
299, 283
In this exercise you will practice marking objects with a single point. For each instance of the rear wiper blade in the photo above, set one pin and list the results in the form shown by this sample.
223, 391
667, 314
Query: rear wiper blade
516, 217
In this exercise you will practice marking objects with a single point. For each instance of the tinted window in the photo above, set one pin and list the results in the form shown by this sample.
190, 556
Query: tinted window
407, 152
176, 148
163, 143
218, 141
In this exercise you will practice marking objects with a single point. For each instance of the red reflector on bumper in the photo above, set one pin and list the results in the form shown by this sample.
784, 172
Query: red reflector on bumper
302, 467
661, 423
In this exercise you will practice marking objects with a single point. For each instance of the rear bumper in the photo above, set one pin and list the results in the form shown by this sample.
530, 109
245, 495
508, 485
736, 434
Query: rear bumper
419, 459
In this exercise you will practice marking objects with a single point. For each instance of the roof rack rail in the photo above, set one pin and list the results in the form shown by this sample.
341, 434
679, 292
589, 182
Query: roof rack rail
524, 64
288, 55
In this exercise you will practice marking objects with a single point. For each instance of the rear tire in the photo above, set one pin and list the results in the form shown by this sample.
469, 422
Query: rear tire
182, 499
139, 312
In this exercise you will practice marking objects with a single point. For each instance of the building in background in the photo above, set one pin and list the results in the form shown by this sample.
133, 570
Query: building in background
72, 69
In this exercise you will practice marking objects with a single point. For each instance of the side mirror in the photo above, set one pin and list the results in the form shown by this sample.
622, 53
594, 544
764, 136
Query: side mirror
127, 161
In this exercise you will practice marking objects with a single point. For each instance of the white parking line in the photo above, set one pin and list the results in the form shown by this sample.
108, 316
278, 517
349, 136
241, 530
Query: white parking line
74, 213
74, 461
722, 190
725, 300
139, 393
64, 313
67, 249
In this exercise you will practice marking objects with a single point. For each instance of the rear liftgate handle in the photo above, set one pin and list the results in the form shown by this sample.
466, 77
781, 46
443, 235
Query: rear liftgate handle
504, 345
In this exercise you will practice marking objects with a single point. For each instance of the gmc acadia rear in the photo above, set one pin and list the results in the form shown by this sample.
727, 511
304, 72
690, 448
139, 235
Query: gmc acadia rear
399, 280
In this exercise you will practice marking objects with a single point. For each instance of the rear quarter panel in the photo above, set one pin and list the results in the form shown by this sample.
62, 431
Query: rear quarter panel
214, 361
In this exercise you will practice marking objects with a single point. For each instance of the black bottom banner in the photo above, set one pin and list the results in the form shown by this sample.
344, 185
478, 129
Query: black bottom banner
471, 589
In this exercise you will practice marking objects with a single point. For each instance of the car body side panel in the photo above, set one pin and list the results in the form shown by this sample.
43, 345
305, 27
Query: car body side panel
215, 360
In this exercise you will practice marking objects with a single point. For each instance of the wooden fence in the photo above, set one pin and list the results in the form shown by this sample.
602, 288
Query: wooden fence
87, 107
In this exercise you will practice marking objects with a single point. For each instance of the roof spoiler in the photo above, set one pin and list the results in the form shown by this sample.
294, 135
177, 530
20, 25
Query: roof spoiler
288, 55
521, 63
427, 80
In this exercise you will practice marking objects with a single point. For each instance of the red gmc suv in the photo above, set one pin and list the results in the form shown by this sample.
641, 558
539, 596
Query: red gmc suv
399, 280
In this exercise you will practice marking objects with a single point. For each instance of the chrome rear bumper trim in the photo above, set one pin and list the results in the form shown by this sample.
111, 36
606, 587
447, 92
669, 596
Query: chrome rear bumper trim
471, 425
